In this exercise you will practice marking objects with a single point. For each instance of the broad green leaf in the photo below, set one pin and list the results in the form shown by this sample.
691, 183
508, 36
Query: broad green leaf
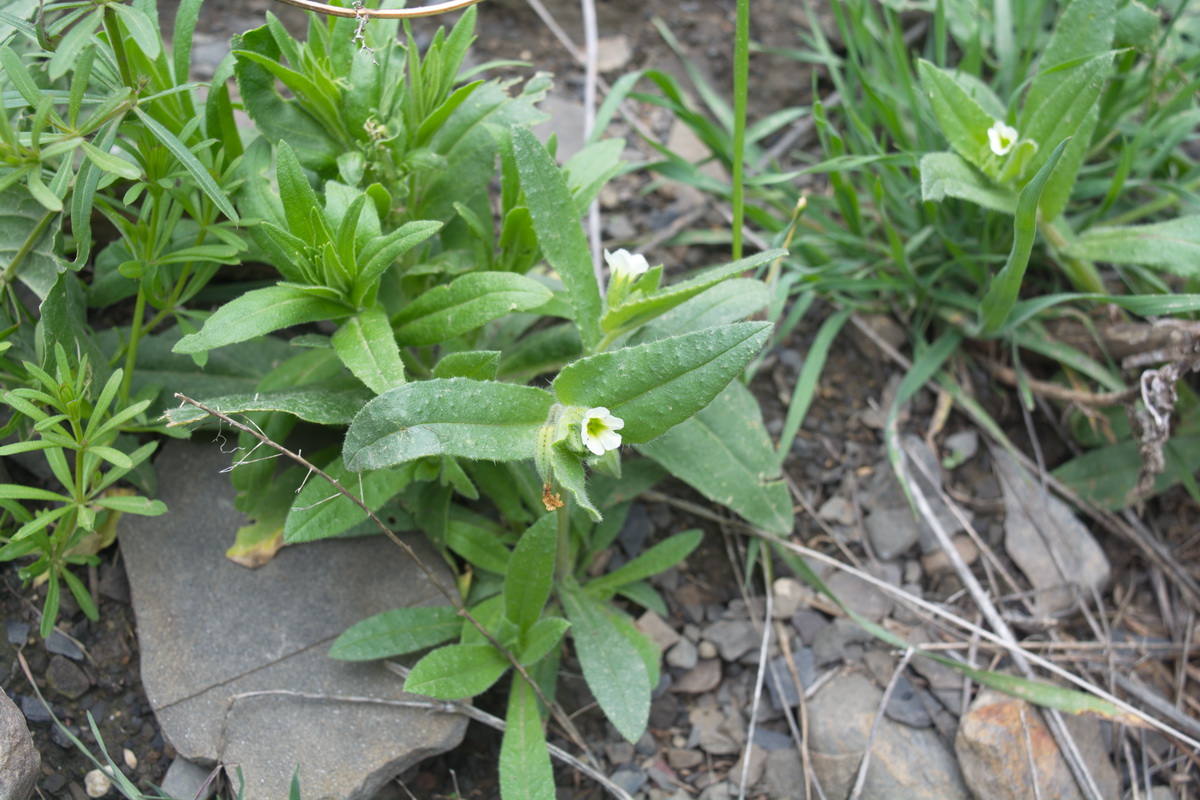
451, 416
466, 303
377, 256
1085, 28
185, 157
962, 120
542, 351
1062, 182
655, 386
731, 301
29, 229
323, 405
320, 512
530, 575
568, 473
724, 452
556, 221
456, 671
639, 311
525, 772
396, 633
479, 365
365, 344
1173, 245
1108, 475
259, 312
612, 667
1006, 285
480, 547
658, 558
949, 175
543, 636
276, 118
1064, 113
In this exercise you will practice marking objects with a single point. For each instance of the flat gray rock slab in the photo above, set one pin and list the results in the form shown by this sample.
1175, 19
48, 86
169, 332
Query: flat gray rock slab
212, 631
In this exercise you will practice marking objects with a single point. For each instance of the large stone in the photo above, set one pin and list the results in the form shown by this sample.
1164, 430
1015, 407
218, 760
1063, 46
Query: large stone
19, 760
1047, 541
212, 631
913, 763
999, 737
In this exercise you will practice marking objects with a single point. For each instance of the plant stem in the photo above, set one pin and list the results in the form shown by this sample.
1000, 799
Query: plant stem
135, 335
1082, 274
118, 46
741, 74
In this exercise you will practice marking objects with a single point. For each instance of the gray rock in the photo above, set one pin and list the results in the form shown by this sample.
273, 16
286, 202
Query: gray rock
863, 597
704, 677
830, 645
565, 121
770, 740
785, 692
612, 52
629, 778
66, 678
962, 446
655, 627
913, 763
808, 624
19, 759
1047, 541
718, 791
905, 706
683, 655
783, 773
17, 632
34, 710
789, 596
211, 630
892, 531
186, 780
733, 637
837, 509
60, 644
715, 732
1000, 735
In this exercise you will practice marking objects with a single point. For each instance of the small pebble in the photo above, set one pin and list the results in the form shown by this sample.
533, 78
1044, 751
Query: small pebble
130, 759
706, 649
58, 643
97, 783
18, 632
683, 655
788, 598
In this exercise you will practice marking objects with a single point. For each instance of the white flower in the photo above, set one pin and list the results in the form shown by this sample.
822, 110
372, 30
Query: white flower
626, 263
599, 430
1001, 138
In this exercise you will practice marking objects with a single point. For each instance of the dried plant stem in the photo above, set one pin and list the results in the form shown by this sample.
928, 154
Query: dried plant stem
1132, 712
763, 666
1066, 743
382, 13
861, 780
446, 592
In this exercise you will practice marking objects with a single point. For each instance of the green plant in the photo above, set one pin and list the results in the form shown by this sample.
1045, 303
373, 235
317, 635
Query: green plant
1064, 191
75, 429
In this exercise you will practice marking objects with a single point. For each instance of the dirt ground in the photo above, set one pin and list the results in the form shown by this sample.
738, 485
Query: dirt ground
837, 446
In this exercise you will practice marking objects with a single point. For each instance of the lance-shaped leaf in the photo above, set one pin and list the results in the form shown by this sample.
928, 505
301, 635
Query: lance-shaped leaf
525, 771
556, 222
612, 667
655, 386
323, 405
450, 416
396, 633
1173, 245
366, 345
259, 312
468, 302
962, 120
731, 301
530, 574
949, 175
725, 453
317, 514
637, 312
456, 671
